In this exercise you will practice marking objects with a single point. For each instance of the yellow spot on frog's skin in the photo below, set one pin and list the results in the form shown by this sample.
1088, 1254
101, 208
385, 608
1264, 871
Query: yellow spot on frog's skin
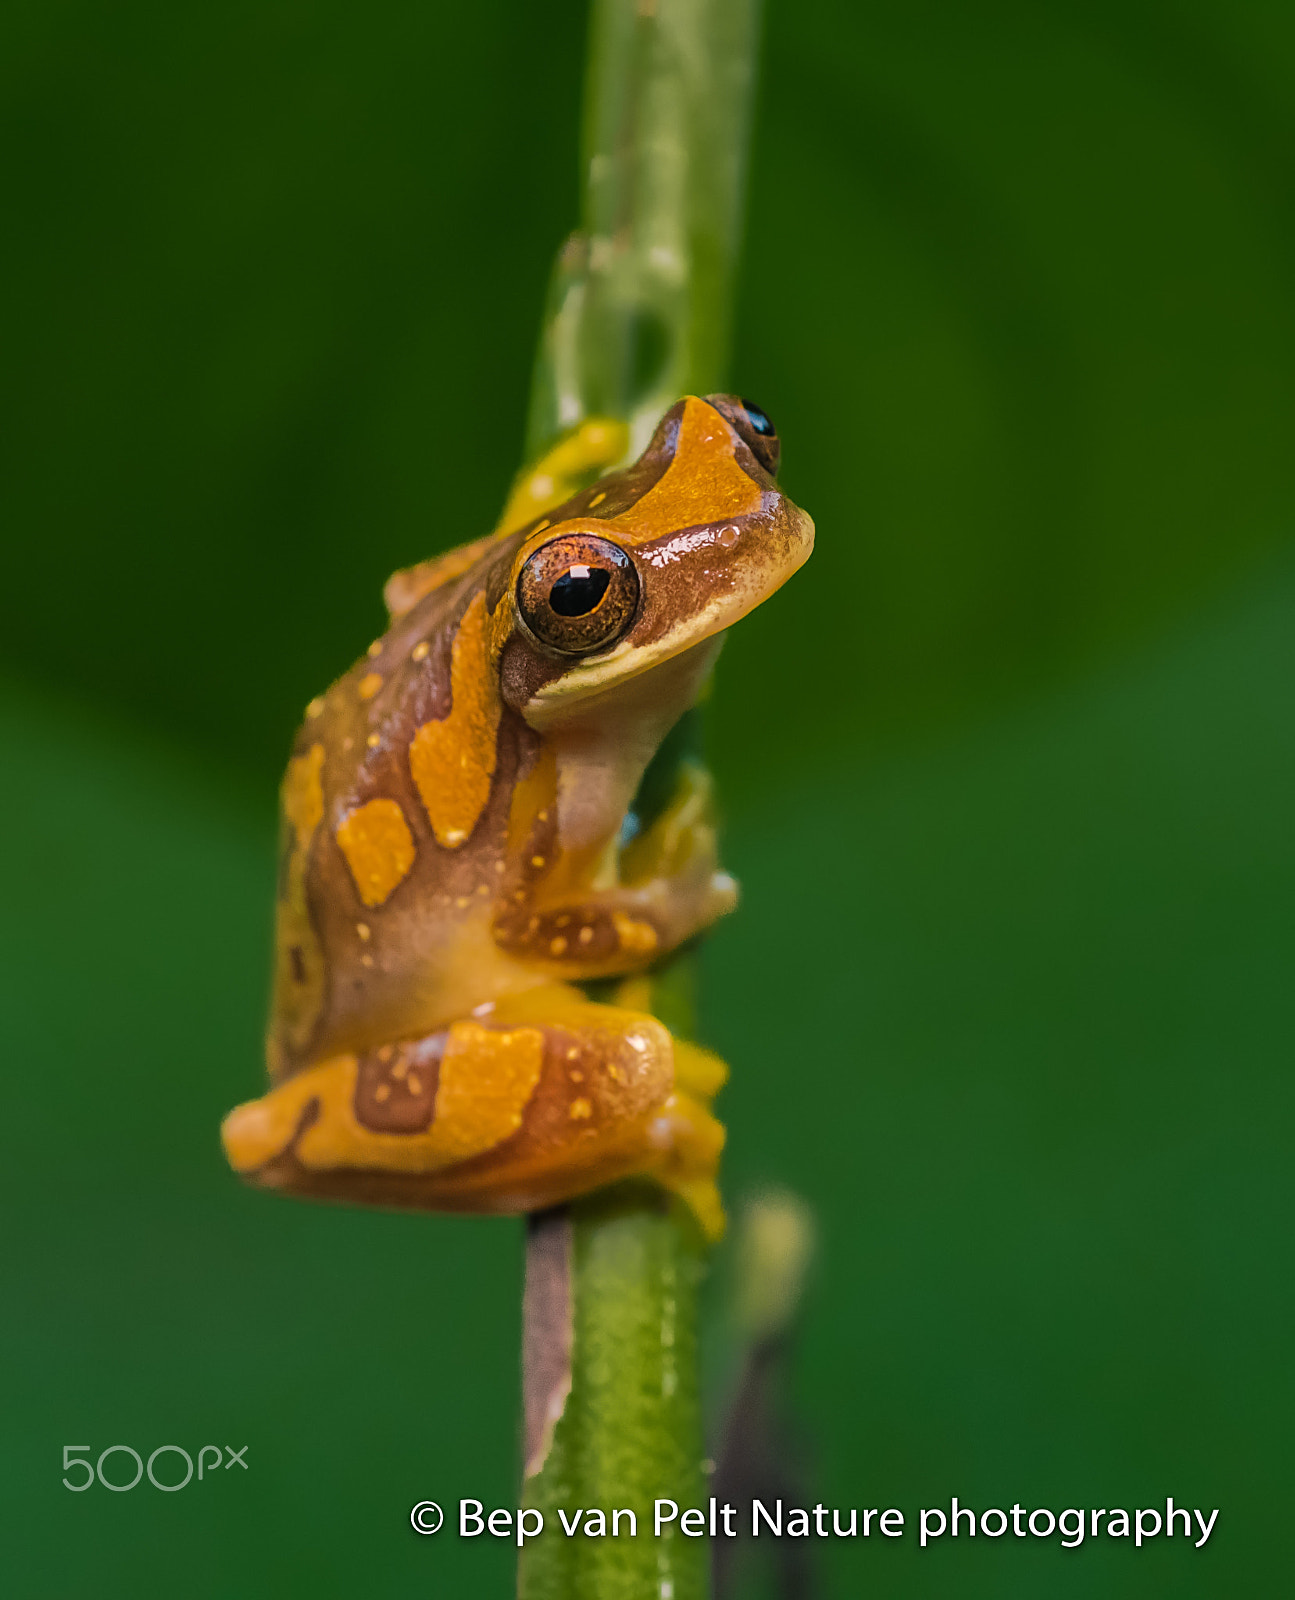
366, 961
580, 1109
576, 1077
316, 707
385, 1053
573, 1054
303, 793
420, 651
564, 921
463, 901
598, 499
586, 935
453, 761
364, 930
375, 649
378, 846
558, 946
370, 683
637, 938
413, 1084
373, 741
615, 1073
537, 861
382, 1092
400, 1069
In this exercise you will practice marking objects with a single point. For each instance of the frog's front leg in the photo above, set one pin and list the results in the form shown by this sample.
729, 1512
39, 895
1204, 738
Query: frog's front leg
540, 1098
587, 918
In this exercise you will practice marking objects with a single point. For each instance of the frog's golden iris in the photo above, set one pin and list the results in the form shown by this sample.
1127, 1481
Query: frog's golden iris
462, 864
578, 593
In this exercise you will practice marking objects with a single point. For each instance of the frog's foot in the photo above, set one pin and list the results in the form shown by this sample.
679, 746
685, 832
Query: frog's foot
669, 888
588, 450
541, 1099
692, 1141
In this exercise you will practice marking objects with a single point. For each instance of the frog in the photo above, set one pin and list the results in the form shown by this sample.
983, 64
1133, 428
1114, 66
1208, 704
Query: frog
470, 909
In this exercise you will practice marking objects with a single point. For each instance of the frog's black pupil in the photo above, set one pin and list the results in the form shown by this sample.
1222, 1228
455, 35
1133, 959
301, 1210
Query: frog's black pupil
759, 419
578, 591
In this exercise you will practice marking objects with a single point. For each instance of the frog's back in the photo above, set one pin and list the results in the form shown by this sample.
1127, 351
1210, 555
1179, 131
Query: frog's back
394, 818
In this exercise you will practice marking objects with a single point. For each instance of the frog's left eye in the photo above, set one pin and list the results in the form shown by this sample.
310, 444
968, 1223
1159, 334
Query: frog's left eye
578, 593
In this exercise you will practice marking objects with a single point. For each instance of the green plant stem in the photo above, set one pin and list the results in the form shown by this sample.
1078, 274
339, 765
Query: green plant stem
639, 313
640, 303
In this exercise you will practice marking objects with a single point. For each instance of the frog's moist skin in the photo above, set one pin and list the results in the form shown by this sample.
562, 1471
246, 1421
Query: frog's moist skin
456, 856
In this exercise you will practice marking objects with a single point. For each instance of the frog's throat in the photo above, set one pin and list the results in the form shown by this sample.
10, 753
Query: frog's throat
603, 743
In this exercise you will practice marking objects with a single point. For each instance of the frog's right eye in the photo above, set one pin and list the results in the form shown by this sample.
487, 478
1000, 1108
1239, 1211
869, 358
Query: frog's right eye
578, 593
754, 426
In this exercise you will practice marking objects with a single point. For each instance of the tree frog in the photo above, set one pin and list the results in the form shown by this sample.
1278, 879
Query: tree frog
460, 854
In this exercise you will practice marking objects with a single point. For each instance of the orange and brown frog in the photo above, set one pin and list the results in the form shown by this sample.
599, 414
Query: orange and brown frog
461, 851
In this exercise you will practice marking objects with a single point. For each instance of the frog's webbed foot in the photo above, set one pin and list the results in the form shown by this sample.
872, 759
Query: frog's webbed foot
543, 1098
669, 888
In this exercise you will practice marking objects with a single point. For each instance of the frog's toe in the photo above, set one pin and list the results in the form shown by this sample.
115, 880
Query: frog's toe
692, 1141
259, 1130
254, 1134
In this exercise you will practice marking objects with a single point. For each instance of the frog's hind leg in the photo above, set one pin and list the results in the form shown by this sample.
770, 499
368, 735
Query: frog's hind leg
543, 1098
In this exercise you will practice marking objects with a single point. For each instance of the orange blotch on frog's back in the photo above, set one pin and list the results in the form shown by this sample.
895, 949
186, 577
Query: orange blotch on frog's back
452, 760
378, 847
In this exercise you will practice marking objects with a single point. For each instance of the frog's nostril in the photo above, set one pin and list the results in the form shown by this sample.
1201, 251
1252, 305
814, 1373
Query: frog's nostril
578, 591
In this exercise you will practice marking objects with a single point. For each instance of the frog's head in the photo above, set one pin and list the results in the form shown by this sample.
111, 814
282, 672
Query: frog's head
610, 612
648, 566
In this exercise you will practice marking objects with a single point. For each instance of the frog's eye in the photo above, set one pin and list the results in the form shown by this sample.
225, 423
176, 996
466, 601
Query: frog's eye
578, 593
761, 435
753, 426
759, 420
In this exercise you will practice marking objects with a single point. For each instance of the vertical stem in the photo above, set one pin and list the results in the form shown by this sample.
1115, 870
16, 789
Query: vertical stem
640, 302
639, 313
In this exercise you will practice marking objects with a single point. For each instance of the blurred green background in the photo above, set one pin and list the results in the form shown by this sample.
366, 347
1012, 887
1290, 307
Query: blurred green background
1009, 769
